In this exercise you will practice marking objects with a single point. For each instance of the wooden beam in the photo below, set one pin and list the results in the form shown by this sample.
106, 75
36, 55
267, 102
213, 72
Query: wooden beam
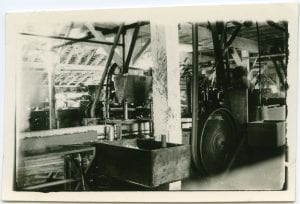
166, 84
166, 78
277, 26
239, 42
76, 67
106, 70
99, 36
90, 57
83, 79
236, 57
70, 55
233, 36
73, 80
254, 63
104, 42
131, 48
83, 39
96, 60
195, 97
43, 143
50, 67
204, 34
107, 31
217, 29
246, 60
279, 72
141, 51
49, 184
79, 57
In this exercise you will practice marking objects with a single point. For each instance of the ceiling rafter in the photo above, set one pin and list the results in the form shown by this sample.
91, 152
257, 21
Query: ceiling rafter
141, 51
114, 30
99, 36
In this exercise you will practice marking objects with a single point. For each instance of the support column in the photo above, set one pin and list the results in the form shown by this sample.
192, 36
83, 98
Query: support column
52, 60
246, 59
166, 85
166, 82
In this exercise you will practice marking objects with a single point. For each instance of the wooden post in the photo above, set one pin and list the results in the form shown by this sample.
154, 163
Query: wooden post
131, 48
195, 99
246, 59
52, 111
216, 29
166, 88
51, 61
166, 79
238, 98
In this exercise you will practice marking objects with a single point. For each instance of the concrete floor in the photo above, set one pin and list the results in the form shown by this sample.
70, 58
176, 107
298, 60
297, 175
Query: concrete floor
251, 169
259, 170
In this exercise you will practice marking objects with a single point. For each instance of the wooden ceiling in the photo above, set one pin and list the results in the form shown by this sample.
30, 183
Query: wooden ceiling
92, 57
270, 33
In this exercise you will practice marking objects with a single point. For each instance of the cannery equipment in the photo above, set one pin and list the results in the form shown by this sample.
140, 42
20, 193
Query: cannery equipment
220, 100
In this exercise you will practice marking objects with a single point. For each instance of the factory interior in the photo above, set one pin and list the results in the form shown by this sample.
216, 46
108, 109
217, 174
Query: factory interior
140, 106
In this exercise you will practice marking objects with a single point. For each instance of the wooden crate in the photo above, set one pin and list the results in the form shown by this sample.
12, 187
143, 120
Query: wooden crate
143, 161
275, 113
266, 133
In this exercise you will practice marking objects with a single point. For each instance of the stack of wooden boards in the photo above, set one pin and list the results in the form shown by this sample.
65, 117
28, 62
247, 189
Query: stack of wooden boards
41, 155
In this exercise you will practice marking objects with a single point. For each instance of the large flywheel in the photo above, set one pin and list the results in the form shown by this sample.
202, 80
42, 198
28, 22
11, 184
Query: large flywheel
216, 141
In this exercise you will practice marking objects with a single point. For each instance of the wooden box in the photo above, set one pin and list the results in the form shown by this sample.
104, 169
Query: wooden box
274, 113
143, 161
266, 133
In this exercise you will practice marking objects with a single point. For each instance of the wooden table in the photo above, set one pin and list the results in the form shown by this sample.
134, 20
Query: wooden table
63, 165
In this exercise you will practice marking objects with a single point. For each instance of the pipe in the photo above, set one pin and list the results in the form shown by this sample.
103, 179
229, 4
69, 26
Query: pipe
110, 57
195, 104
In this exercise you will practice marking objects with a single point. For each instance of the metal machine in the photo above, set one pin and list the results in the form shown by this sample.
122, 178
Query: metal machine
219, 105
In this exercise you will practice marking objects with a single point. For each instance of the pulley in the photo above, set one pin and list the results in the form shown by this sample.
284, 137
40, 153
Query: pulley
215, 142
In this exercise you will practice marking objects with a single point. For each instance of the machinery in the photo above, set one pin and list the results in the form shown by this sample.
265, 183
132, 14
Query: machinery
125, 97
220, 102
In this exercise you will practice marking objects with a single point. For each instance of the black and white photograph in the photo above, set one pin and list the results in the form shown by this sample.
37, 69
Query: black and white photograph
130, 104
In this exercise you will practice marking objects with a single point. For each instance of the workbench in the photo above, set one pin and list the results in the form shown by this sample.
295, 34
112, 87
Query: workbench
62, 167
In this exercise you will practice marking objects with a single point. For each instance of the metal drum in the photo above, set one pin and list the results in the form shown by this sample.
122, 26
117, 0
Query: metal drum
216, 141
